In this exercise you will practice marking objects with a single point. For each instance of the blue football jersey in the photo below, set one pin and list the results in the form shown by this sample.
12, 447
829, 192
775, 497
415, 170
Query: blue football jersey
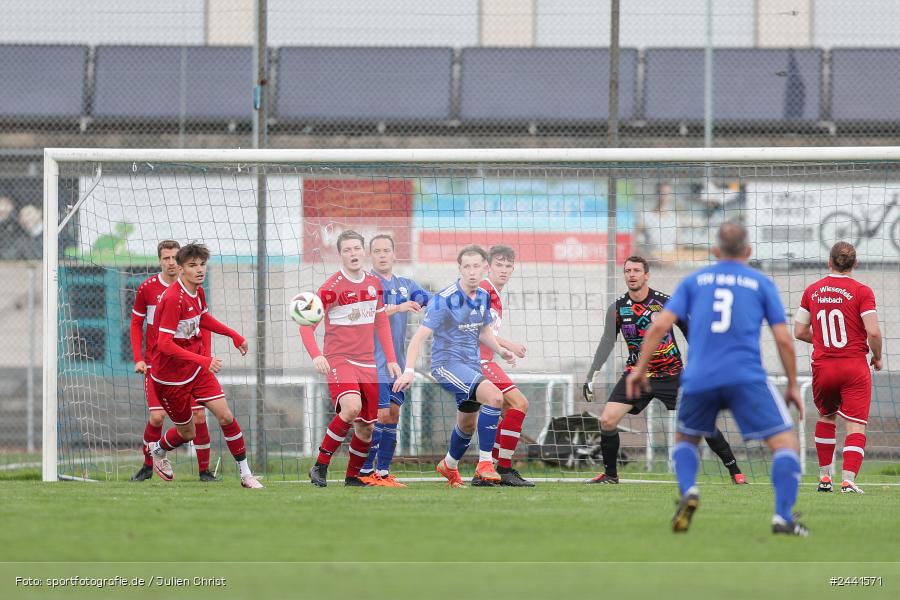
725, 305
457, 320
397, 290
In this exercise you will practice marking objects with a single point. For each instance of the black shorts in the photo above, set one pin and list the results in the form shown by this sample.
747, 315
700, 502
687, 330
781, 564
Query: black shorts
664, 388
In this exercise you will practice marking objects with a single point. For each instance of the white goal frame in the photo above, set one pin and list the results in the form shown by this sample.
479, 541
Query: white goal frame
536, 156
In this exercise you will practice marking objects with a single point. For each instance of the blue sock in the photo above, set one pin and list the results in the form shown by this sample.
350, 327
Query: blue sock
386, 446
488, 419
786, 481
373, 449
459, 443
687, 461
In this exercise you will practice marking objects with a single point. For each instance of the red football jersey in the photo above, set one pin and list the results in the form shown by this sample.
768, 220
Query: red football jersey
834, 306
496, 316
350, 308
178, 313
146, 299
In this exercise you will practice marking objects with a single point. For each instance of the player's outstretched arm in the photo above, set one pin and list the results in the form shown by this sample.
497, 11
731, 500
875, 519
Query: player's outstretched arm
165, 344
785, 346
408, 306
210, 323
637, 379
137, 342
803, 332
138, 314
308, 337
412, 353
517, 349
383, 331
606, 345
486, 336
873, 333
802, 326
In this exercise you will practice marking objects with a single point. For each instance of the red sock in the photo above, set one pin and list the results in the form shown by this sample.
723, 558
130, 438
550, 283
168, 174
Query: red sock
171, 439
201, 446
854, 451
334, 437
508, 433
825, 441
359, 450
151, 434
235, 440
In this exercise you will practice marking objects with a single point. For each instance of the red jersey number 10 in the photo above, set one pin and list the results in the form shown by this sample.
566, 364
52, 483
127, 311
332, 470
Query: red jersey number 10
834, 332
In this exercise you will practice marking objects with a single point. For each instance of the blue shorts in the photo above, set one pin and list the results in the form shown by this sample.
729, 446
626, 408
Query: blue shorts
460, 380
386, 395
758, 409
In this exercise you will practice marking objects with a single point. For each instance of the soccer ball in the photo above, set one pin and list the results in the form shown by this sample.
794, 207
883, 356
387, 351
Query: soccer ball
306, 309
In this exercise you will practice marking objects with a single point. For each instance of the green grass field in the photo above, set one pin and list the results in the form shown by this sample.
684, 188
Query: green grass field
427, 541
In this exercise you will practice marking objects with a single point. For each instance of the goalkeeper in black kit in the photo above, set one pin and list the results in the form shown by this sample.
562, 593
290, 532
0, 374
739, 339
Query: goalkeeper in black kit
631, 315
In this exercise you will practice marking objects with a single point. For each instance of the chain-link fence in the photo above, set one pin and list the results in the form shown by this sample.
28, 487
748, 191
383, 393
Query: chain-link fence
415, 73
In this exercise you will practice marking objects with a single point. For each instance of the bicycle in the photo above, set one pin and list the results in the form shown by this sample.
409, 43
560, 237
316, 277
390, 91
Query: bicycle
844, 225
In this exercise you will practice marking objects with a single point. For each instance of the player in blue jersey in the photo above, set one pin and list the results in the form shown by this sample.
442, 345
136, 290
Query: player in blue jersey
460, 318
726, 304
401, 297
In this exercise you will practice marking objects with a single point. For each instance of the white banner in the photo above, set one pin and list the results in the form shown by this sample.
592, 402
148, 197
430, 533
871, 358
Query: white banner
125, 216
800, 220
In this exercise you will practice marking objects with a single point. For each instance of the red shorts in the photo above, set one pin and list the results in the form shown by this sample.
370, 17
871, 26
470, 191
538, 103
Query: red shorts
843, 387
179, 400
496, 375
351, 377
153, 400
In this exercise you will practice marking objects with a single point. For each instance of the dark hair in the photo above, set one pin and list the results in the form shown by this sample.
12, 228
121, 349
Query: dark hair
638, 259
843, 256
732, 239
471, 249
381, 236
166, 245
502, 252
192, 251
349, 234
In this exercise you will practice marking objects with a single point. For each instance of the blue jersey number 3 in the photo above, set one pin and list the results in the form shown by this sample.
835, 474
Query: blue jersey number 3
722, 305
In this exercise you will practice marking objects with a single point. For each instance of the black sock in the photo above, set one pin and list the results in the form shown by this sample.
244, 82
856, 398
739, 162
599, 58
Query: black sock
720, 446
502, 470
609, 447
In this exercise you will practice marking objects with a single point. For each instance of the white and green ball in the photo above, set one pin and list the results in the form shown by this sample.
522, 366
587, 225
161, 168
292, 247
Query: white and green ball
306, 309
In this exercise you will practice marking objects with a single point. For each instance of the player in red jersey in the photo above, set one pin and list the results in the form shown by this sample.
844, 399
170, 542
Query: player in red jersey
354, 314
146, 298
182, 373
501, 264
837, 316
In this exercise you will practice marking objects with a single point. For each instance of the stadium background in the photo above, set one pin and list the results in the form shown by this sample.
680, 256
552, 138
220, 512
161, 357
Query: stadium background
178, 74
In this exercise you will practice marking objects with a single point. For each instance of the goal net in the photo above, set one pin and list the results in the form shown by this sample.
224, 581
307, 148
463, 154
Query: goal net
271, 218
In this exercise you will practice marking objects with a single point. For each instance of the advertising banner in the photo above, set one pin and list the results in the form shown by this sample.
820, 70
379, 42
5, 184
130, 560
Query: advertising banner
367, 206
797, 220
544, 220
125, 216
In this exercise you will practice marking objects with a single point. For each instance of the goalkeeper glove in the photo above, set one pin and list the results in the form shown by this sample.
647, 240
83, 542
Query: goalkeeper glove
588, 391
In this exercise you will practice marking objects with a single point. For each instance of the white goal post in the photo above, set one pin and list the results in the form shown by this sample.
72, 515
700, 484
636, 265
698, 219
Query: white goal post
55, 158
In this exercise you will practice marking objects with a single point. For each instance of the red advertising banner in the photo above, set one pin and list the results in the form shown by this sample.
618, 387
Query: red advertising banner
368, 206
530, 246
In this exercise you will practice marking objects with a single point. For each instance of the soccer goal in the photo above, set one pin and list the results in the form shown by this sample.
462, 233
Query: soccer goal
271, 218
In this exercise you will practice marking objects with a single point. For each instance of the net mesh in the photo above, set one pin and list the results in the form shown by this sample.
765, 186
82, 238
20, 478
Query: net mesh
553, 215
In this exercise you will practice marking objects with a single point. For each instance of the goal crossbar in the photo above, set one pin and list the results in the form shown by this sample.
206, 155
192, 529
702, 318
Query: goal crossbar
483, 155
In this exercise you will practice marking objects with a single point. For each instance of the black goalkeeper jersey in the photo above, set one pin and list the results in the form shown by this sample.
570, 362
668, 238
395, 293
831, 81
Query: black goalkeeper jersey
633, 319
